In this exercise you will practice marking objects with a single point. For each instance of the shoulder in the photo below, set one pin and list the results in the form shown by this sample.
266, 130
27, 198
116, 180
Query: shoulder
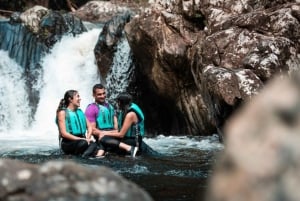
131, 115
61, 113
91, 107
133, 108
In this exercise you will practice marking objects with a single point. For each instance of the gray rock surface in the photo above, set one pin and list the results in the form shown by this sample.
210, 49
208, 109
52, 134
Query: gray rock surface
64, 181
261, 156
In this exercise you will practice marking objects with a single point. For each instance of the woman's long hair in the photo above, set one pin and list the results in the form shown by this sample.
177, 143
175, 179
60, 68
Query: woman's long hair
124, 100
64, 103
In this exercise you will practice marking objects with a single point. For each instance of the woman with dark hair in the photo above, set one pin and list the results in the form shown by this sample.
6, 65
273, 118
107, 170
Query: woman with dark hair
73, 126
130, 124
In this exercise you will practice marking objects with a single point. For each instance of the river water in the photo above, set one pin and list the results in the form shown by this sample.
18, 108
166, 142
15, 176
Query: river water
178, 172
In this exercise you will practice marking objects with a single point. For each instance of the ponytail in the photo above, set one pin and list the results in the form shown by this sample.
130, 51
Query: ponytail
63, 103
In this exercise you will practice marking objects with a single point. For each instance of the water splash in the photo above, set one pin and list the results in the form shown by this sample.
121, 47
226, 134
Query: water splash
177, 144
69, 65
14, 105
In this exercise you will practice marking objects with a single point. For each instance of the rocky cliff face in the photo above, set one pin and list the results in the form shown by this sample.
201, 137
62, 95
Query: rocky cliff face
199, 60
196, 62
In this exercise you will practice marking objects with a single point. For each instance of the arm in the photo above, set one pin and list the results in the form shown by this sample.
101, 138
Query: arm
131, 118
115, 122
89, 129
97, 132
91, 114
62, 126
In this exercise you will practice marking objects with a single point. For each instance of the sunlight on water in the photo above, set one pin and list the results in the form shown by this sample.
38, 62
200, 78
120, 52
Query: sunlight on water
187, 173
164, 144
136, 169
27, 142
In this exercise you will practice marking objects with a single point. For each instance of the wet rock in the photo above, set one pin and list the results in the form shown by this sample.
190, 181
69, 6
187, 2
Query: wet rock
32, 17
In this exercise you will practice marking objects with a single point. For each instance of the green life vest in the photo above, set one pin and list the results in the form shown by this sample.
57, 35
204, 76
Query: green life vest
137, 128
105, 118
75, 122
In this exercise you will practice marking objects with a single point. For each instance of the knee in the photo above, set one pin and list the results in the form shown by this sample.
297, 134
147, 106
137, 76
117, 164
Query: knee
110, 141
83, 143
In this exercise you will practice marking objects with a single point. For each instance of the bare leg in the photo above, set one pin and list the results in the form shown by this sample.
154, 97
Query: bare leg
131, 149
100, 153
124, 146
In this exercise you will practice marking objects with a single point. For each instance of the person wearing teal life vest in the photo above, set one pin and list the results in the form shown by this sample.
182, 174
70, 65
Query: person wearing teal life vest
102, 115
74, 128
131, 127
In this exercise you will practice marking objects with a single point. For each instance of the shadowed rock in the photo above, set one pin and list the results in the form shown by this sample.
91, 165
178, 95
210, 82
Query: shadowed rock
201, 70
64, 181
261, 156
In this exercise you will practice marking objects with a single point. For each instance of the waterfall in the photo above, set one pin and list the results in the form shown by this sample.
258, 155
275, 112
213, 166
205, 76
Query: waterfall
70, 64
120, 74
14, 105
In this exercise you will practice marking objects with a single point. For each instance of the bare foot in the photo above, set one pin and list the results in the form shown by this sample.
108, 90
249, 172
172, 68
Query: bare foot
100, 154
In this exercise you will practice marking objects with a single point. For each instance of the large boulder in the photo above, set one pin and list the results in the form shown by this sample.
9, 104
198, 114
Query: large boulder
203, 59
103, 11
110, 36
261, 156
64, 181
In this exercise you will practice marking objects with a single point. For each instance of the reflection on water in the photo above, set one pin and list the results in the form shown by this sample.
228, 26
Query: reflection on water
178, 173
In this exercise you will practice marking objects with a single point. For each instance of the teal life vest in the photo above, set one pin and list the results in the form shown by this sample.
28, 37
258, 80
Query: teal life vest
134, 129
105, 118
75, 122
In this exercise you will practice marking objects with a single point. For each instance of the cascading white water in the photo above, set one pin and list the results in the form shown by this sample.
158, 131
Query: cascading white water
13, 96
120, 74
69, 65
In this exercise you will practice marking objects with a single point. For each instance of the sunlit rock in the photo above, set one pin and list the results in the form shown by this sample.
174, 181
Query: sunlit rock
33, 16
100, 11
